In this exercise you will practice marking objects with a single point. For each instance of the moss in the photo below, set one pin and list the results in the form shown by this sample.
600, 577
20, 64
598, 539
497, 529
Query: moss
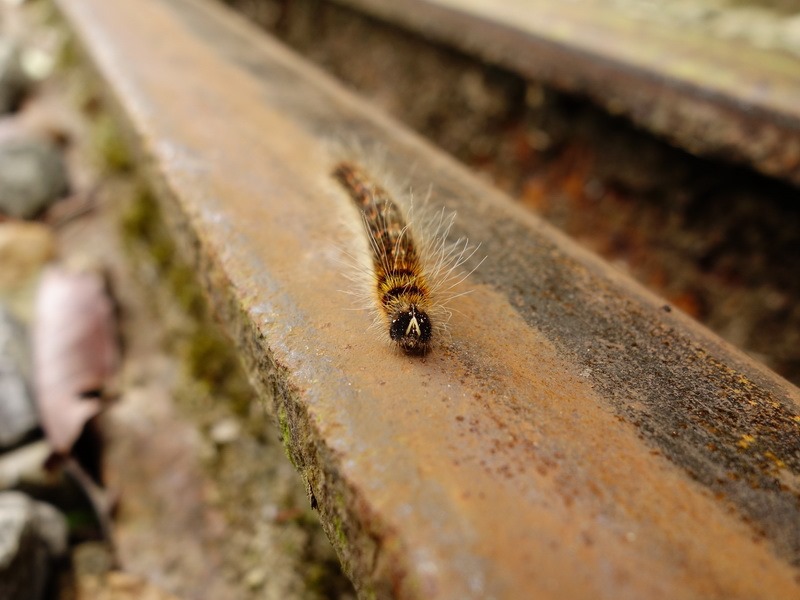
324, 578
184, 286
110, 146
68, 57
369, 594
142, 225
208, 361
338, 527
212, 361
283, 423
49, 14
139, 216
339, 501
211, 358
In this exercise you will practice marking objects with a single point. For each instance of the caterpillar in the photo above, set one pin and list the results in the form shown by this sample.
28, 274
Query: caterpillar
413, 277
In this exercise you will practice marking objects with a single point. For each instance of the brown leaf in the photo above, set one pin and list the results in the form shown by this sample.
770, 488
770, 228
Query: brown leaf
75, 352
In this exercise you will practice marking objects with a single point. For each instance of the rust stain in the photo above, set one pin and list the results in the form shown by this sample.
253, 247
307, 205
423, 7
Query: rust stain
746, 441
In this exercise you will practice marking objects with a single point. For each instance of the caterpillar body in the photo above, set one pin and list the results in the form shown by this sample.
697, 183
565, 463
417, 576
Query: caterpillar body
412, 277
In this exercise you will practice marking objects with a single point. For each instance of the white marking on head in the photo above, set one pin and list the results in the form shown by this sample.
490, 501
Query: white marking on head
415, 326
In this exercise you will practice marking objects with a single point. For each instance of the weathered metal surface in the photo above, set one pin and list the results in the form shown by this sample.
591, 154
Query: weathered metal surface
710, 96
714, 239
576, 439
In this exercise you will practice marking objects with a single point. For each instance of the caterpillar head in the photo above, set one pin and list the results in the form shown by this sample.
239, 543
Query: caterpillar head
411, 329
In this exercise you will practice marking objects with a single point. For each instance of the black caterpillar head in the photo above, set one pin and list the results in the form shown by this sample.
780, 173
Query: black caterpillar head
411, 329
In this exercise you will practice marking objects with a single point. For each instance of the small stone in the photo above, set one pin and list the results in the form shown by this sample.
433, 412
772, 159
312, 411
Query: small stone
32, 535
255, 578
24, 249
92, 558
269, 512
225, 431
32, 176
18, 417
51, 526
26, 466
37, 64
13, 83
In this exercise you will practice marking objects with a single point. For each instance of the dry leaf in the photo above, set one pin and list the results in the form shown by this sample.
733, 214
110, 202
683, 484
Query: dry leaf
75, 352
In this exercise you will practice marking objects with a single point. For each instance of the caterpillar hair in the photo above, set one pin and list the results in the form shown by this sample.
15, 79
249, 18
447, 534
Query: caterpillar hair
414, 270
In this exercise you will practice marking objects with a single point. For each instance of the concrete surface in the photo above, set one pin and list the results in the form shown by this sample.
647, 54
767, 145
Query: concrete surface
576, 438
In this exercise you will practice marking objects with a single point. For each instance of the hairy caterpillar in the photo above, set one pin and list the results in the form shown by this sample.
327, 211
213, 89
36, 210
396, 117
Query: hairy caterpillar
413, 276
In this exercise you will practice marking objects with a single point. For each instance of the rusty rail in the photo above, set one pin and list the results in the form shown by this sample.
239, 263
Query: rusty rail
578, 437
711, 96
